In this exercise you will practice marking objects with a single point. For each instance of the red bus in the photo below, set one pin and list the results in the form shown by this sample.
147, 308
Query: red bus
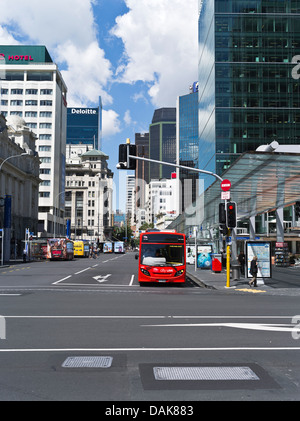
162, 257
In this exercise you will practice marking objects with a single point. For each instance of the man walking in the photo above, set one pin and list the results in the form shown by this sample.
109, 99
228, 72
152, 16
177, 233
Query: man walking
253, 272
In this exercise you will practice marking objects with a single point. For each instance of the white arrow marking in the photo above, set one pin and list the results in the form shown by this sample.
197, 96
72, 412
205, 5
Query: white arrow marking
101, 278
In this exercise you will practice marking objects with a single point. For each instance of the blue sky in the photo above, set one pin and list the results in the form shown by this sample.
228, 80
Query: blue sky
138, 55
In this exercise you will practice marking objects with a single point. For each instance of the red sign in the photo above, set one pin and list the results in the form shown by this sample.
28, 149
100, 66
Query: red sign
225, 185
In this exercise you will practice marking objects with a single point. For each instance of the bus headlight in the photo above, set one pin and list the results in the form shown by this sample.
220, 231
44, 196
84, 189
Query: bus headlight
179, 272
145, 272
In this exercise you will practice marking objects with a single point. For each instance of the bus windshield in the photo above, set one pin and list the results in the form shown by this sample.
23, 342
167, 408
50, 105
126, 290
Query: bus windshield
162, 254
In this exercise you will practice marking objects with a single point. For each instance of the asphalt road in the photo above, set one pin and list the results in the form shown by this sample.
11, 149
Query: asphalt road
152, 344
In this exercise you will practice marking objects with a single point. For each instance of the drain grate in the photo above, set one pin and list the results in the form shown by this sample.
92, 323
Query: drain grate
87, 362
204, 373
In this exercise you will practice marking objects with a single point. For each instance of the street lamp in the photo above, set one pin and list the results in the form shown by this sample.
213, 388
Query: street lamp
13, 156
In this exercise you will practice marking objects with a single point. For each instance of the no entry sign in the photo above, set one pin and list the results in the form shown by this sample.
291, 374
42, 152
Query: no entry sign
225, 185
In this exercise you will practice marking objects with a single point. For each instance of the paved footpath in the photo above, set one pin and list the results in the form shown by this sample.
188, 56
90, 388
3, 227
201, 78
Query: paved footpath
284, 281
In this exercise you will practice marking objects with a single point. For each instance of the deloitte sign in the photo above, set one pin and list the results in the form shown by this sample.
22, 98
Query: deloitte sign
84, 111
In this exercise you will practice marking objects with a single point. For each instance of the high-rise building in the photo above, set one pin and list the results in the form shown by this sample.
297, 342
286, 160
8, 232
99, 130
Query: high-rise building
33, 88
162, 142
187, 144
247, 95
142, 168
84, 126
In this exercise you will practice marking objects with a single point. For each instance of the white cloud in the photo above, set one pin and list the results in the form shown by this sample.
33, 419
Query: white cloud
110, 123
68, 30
87, 73
160, 39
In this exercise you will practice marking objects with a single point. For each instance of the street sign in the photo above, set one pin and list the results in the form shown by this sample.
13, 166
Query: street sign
225, 185
225, 195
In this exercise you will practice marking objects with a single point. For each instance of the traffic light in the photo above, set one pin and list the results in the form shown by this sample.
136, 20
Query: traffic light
297, 209
124, 162
231, 214
222, 214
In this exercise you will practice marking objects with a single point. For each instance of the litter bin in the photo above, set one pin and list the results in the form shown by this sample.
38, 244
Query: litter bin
216, 264
236, 269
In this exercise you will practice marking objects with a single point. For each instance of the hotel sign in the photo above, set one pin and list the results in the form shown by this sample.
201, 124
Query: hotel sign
24, 54
15, 57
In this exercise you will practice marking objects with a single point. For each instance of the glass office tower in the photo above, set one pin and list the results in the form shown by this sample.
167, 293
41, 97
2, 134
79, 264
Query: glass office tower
162, 142
247, 95
188, 145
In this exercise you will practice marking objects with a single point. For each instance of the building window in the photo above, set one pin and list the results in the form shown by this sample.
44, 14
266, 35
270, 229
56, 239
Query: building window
45, 126
45, 171
18, 113
39, 76
31, 102
45, 137
46, 114
17, 102
31, 91
16, 91
30, 114
44, 194
47, 103
46, 91
44, 148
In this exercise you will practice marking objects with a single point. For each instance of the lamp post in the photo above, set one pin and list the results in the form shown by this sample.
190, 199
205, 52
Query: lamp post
13, 156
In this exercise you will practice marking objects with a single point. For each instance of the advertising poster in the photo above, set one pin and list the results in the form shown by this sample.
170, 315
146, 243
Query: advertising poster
204, 256
262, 250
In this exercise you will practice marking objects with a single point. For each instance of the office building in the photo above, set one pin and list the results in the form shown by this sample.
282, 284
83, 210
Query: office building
33, 89
142, 168
188, 145
162, 142
84, 126
247, 95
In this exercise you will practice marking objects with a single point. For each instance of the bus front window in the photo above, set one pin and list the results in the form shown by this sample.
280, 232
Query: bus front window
162, 254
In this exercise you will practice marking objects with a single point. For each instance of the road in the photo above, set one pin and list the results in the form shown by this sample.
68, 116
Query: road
151, 344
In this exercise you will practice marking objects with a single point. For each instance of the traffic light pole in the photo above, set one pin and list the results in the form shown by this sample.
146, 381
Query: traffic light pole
175, 165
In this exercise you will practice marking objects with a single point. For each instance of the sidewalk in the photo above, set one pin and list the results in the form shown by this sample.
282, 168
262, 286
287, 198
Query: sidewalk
282, 279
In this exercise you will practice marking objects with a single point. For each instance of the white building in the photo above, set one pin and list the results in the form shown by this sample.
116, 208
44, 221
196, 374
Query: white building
33, 88
130, 199
162, 206
89, 192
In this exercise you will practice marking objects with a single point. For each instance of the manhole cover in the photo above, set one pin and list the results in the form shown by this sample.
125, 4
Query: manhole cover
89, 362
204, 373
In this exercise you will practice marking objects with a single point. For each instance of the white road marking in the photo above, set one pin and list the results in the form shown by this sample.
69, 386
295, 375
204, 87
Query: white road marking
253, 326
101, 278
131, 280
57, 282
148, 349
83, 270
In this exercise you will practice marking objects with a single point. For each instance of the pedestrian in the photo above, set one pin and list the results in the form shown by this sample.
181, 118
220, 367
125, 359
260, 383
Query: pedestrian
241, 259
253, 271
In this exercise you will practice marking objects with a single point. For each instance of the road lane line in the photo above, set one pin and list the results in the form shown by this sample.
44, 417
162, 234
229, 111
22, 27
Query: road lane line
83, 270
149, 349
131, 280
57, 282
